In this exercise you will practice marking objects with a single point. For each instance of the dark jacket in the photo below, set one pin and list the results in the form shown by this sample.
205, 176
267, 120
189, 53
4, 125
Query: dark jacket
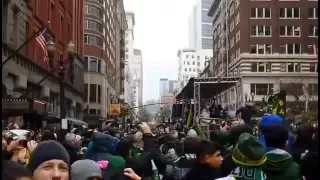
246, 113
309, 166
280, 166
202, 172
227, 165
103, 146
74, 156
179, 168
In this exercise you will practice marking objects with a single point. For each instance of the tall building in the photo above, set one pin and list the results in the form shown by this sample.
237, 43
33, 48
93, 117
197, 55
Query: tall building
137, 76
129, 56
278, 47
121, 26
29, 86
191, 64
200, 26
163, 87
173, 85
100, 50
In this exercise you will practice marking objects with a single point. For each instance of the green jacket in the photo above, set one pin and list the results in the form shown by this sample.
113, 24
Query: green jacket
280, 166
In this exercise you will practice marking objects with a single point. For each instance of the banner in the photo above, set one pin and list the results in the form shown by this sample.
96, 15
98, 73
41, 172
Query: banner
114, 109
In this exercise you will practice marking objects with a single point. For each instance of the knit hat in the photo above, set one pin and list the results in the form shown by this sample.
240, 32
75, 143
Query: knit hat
270, 119
48, 150
249, 151
85, 169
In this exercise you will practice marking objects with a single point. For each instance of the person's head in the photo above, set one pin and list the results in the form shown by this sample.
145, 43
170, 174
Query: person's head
248, 152
210, 154
276, 136
85, 170
192, 133
15, 171
47, 135
268, 120
305, 131
138, 139
49, 160
173, 134
123, 148
236, 131
191, 145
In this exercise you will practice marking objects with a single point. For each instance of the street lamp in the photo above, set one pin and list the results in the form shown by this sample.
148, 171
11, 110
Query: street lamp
51, 48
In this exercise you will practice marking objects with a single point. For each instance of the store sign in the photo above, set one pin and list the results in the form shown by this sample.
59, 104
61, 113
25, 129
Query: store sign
114, 109
15, 104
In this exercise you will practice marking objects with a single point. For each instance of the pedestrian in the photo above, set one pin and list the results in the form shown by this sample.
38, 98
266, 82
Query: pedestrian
49, 160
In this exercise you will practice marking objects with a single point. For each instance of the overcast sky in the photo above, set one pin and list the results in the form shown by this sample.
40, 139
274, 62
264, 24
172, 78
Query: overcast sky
161, 29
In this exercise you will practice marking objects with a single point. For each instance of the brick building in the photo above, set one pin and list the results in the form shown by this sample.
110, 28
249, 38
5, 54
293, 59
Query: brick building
269, 44
22, 74
103, 31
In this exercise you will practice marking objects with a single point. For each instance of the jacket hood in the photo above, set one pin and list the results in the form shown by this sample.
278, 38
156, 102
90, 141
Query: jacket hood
278, 161
104, 143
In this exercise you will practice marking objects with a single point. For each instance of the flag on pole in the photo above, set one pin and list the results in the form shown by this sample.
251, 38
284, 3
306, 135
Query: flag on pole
42, 40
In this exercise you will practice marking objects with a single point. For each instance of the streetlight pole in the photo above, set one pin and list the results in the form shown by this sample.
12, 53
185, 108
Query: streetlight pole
71, 50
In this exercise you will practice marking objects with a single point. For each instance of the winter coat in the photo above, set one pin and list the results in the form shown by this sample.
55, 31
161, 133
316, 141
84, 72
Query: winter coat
245, 173
180, 167
280, 166
202, 172
309, 166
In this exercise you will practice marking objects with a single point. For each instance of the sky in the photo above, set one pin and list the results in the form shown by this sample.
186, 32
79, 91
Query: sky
161, 29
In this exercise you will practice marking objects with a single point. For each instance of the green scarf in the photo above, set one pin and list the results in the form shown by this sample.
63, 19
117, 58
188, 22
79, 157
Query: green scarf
136, 151
241, 173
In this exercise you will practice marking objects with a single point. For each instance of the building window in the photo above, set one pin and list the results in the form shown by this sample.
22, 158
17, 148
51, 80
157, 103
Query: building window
95, 65
313, 31
237, 53
264, 13
93, 93
237, 18
193, 63
261, 30
290, 13
313, 13
261, 67
187, 56
261, 49
231, 42
289, 30
231, 25
313, 67
185, 69
93, 25
261, 89
238, 36
312, 49
290, 49
93, 40
94, 10
293, 67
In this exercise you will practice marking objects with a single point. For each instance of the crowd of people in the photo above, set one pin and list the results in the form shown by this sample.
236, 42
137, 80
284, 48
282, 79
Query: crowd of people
147, 151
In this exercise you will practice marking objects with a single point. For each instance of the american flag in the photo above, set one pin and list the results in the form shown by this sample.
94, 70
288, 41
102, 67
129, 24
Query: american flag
41, 39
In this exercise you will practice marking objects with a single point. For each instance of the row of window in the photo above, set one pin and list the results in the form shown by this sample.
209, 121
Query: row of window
95, 93
93, 25
93, 64
287, 13
287, 30
284, 49
284, 67
266, 89
191, 70
193, 63
93, 40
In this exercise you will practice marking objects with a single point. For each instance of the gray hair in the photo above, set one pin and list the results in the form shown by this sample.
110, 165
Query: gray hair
192, 133
173, 134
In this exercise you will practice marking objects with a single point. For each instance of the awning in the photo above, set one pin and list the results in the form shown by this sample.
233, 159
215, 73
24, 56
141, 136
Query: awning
209, 86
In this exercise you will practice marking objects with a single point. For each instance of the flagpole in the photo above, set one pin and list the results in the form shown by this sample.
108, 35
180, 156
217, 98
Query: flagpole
25, 43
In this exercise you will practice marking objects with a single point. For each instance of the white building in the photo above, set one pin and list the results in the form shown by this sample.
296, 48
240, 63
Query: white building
200, 26
129, 84
191, 64
137, 76
163, 87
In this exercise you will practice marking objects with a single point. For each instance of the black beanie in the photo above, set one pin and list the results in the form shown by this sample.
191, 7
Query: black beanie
48, 150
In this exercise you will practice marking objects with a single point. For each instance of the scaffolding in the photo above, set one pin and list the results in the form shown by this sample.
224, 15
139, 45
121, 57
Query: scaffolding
205, 87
